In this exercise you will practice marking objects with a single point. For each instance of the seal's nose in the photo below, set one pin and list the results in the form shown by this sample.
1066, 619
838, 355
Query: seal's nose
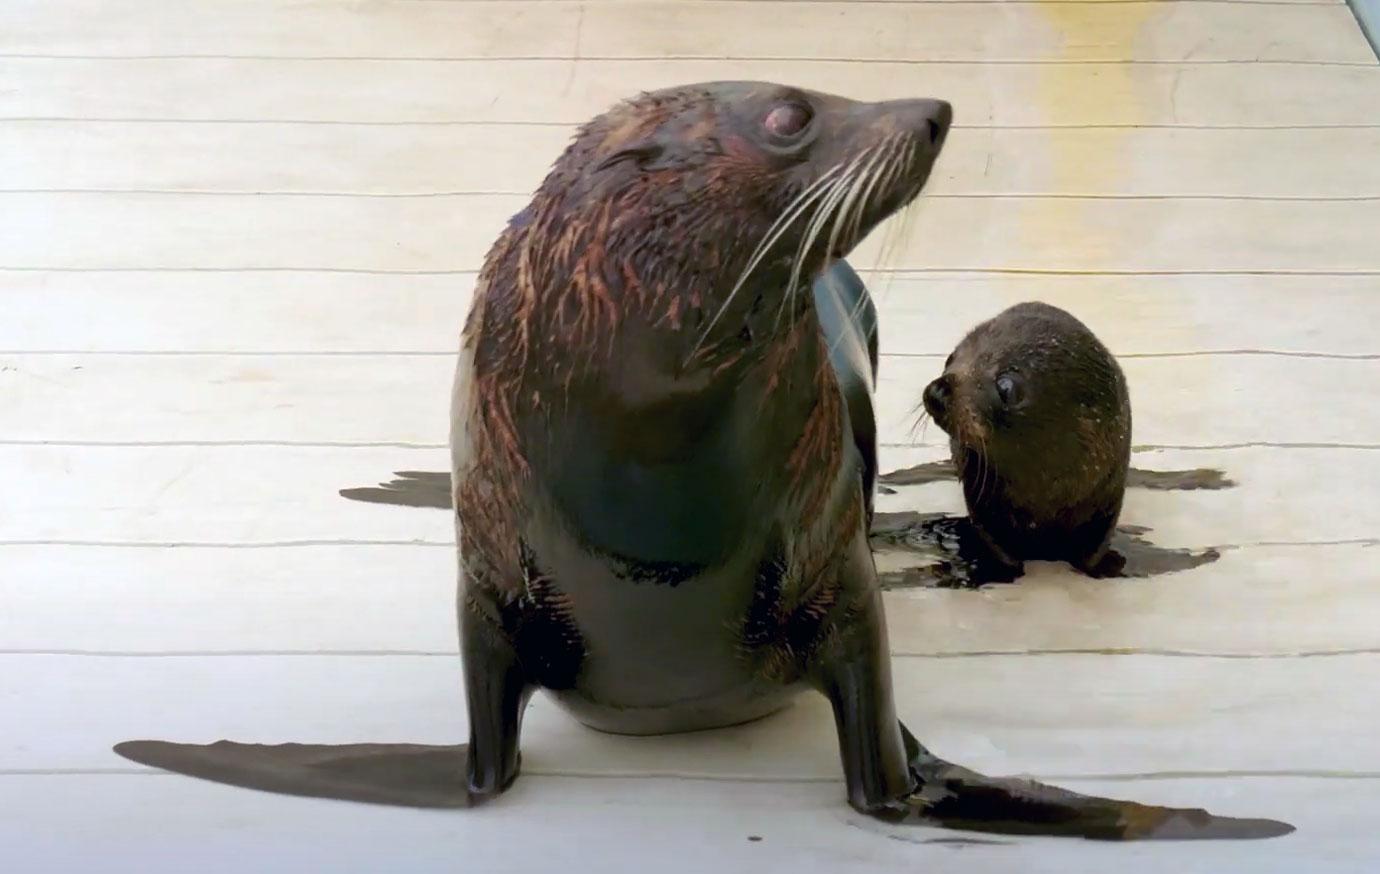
942, 116
927, 118
936, 398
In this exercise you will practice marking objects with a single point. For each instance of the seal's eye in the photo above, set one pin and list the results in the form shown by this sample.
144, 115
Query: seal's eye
1009, 389
787, 120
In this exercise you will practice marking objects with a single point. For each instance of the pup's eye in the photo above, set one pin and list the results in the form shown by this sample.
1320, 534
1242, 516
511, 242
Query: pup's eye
1009, 389
787, 120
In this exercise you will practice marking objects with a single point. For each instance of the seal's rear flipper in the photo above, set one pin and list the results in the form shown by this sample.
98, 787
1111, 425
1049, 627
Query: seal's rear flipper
954, 797
402, 775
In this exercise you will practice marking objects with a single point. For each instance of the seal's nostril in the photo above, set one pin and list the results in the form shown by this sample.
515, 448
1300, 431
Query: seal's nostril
941, 116
936, 396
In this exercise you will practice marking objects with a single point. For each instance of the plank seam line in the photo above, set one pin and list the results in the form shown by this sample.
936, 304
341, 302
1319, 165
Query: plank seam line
450, 544
222, 544
450, 353
960, 2
402, 444
1186, 447
1295, 773
55, 119
1199, 353
1151, 652
907, 271
423, 653
426, 195
300, 444
652, 59
1250, 444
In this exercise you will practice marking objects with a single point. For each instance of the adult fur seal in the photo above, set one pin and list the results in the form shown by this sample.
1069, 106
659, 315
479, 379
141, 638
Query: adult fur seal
662, 478
1039, 422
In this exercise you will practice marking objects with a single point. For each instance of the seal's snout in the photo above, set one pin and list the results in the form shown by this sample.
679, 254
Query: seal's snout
928, 120
937, 396
937, 125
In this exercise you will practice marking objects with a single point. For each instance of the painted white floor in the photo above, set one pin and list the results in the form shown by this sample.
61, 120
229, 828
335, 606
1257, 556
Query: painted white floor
237, 239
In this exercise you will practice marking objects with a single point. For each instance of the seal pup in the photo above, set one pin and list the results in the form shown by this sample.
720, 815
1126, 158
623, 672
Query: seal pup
661, 495
1039, 425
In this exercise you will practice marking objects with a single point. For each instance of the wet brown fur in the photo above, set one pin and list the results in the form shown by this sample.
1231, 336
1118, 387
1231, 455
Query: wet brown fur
1044, 480
553, 294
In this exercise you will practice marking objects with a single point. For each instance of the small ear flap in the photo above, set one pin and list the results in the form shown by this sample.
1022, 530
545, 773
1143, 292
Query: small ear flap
643, 153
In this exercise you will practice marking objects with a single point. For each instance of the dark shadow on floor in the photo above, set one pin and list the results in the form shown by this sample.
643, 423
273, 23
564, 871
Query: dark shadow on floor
409, 488
1136, 478
956, 558
431, 488
952, 553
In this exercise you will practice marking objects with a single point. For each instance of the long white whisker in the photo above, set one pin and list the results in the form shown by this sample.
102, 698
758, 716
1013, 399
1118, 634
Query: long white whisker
875, 171
897, 231
860, 182
866, 200
807, 242
816, 219
794, 209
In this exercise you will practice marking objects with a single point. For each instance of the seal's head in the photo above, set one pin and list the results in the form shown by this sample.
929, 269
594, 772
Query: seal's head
707, 205
1032, 396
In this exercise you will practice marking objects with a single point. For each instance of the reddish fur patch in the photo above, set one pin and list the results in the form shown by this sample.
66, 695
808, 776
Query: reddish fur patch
596, 250
813, 464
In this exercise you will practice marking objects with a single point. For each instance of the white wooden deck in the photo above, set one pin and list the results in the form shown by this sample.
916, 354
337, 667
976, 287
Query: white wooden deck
237, 239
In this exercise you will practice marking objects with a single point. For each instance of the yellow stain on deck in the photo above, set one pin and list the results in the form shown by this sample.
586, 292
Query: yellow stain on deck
1091, 37
1057, 89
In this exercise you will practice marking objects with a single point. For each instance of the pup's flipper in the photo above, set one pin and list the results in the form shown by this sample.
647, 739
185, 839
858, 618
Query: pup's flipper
402, 775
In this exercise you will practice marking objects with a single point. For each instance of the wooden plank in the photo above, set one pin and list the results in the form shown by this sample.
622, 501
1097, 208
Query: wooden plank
352, 399
152, 825
227, 312
298, 30
279, 157
926, 32
1058, 714
922, 314
1141, 315
1192, 401
1282, 496
173, 231
1004, 95
231, 495
1198, 401
1253, 601
264, 495
361, 599
1028, 31
418, 160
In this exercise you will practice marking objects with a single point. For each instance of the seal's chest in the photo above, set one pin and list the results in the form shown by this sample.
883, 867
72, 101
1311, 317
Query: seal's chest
671, 644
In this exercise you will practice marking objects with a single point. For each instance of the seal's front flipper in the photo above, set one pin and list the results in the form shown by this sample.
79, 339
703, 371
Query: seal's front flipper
403, 775
892, 777
952, 796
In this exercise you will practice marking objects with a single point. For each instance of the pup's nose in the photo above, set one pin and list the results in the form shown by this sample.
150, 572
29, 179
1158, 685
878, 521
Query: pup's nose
936, 398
